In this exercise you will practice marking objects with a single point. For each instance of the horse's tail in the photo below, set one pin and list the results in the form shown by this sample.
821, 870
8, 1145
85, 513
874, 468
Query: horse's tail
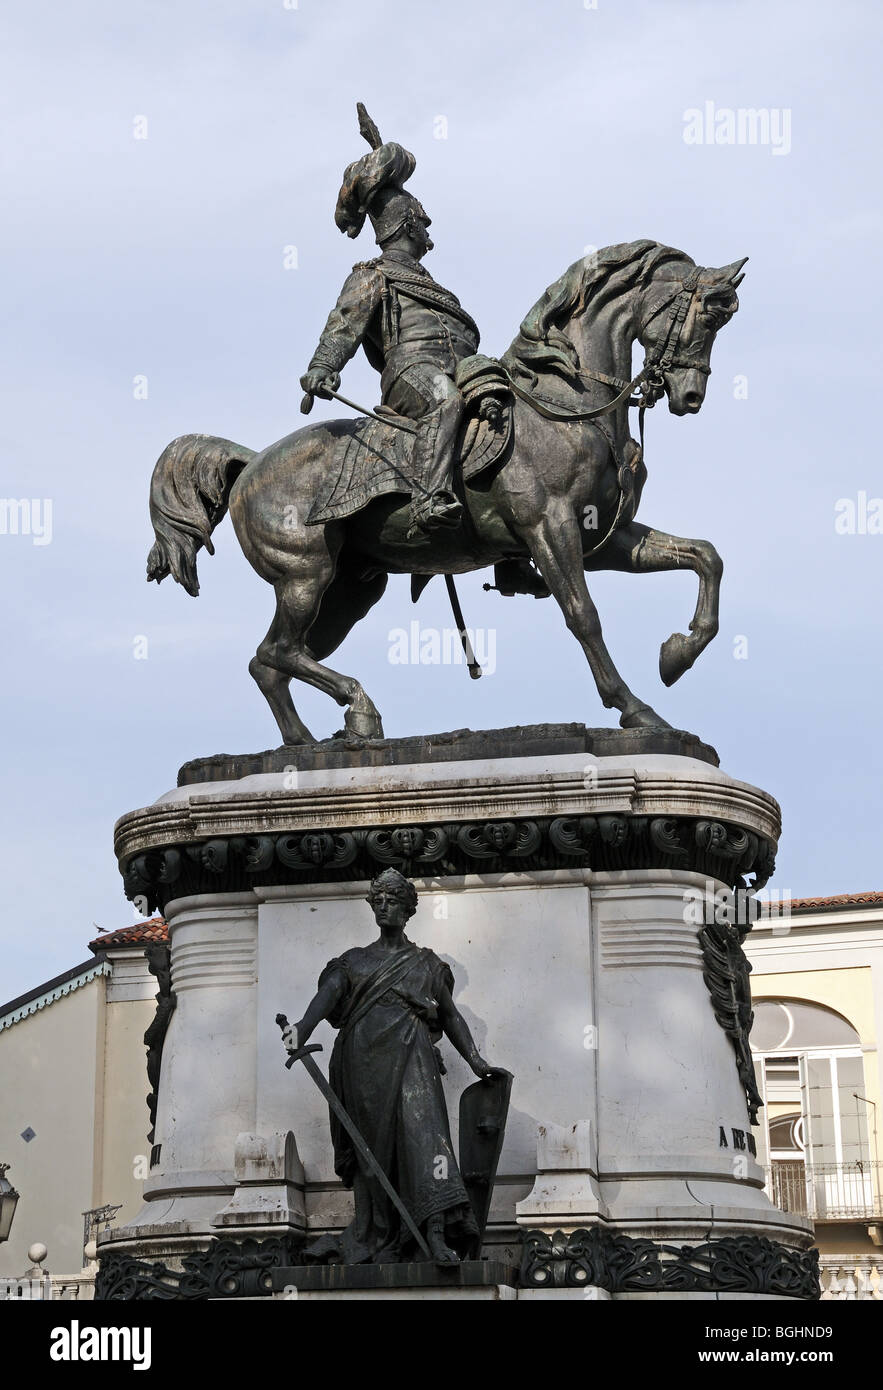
189, 492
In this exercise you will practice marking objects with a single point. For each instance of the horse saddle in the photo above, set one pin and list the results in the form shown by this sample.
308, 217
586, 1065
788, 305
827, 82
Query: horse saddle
374, 458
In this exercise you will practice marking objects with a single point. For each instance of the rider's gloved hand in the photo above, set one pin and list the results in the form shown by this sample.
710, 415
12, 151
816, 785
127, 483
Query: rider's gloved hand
318, 381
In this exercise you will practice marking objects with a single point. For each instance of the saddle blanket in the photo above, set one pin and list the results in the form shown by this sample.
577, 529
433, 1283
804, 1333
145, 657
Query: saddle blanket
374, 459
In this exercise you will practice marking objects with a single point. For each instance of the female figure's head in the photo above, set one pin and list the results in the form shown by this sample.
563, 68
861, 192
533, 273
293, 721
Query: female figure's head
393, 899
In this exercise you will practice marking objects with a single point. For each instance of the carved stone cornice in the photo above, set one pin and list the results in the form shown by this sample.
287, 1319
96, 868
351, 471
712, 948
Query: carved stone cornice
529, 812
619, 1263
327, 854
385, 801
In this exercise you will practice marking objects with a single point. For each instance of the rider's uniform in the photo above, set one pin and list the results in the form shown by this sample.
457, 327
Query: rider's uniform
414, 332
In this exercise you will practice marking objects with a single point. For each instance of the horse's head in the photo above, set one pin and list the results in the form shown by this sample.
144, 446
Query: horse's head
682, 311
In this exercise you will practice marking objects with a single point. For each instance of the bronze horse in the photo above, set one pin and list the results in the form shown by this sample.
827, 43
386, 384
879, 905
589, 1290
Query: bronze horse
563, 494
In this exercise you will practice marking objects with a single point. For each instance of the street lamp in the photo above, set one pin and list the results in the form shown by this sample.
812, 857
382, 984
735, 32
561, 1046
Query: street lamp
8, 1202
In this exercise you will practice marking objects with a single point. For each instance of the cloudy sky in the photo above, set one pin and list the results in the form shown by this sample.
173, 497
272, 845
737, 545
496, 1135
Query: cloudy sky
539, 129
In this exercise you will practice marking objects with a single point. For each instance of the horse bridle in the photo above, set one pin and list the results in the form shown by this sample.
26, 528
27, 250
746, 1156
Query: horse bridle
650, 380
652, 376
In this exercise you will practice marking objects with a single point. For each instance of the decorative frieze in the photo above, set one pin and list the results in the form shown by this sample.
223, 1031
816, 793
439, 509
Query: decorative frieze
606, 842
595, 1257
227, 1269
619, 1263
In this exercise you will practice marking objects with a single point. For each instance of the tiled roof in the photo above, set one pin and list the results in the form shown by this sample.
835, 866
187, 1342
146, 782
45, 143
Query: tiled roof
843, 902
151, 933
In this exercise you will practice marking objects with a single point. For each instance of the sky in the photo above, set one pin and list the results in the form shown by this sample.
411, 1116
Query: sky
169, 254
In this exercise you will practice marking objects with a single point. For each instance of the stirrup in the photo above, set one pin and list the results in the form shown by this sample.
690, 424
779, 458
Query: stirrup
439, 510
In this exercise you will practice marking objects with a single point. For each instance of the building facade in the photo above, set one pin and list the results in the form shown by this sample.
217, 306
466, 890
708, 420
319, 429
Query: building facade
817, 989
74, 1117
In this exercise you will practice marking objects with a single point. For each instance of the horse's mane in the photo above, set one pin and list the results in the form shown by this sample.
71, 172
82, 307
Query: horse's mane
540, 345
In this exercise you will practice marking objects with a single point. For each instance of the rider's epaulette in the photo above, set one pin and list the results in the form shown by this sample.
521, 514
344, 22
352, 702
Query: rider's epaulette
367, 265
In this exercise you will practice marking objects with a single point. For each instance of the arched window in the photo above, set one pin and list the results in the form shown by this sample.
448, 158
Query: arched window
818, 1127
796, 1025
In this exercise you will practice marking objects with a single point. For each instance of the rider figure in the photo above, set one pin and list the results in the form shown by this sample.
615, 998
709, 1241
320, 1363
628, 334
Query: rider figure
413, 331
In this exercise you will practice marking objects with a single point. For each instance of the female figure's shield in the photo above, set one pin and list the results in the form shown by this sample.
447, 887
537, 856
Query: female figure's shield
483, 1110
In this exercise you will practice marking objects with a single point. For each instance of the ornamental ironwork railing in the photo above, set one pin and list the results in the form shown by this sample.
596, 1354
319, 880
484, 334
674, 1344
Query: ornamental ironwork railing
827, 1191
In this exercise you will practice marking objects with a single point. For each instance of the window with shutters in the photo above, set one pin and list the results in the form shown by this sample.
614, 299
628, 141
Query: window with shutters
818, 1132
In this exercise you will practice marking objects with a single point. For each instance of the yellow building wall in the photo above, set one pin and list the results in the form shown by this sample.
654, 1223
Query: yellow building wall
49, 1082
848, 991
124, 1148
75, 1072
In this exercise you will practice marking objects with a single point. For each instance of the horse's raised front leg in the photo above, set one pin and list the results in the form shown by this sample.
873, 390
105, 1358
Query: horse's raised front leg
556, 547
641, 550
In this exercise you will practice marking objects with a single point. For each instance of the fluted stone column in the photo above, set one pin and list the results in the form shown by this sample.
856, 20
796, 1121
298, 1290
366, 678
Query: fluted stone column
674, 1158
209, 1063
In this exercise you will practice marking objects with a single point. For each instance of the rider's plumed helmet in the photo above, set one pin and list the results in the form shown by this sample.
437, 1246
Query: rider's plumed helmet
373, 187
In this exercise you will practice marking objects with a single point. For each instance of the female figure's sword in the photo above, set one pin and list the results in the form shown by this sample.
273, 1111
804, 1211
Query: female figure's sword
302, 1055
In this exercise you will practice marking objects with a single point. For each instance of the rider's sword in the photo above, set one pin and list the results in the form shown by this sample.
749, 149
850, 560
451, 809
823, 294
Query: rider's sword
302, 1055
471, 663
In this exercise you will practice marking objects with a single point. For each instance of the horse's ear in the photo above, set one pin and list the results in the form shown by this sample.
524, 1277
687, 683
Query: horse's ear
730, 273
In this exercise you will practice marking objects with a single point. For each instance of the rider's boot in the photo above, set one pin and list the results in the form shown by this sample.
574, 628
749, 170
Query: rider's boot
435, 506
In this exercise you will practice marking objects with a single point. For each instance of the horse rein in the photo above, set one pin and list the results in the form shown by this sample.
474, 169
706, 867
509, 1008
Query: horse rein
650, 382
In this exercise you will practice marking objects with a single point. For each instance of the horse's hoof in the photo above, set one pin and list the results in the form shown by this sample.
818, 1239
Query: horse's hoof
362, 723
643, 718
674, 658
298, 737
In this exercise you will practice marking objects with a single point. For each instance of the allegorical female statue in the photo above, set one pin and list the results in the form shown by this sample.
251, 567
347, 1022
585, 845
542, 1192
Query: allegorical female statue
391, 1002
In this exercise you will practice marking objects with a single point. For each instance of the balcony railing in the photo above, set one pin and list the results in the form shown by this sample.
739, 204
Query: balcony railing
827, 1191
76, 1286
856, 1277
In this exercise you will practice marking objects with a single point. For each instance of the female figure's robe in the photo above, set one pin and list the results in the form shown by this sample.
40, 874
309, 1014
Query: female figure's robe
387, 1073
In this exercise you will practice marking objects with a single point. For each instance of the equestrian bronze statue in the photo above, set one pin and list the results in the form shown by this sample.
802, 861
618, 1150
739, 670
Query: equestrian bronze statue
526, 464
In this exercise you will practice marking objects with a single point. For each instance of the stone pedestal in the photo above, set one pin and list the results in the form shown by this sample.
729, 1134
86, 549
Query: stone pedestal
559, 871
477, 1280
